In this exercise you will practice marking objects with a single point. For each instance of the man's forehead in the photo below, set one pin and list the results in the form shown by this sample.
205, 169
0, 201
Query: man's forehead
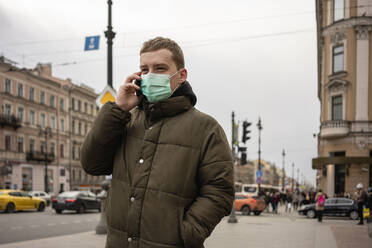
162, 56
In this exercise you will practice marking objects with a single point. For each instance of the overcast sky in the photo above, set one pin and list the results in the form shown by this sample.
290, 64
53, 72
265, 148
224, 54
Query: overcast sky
257, 58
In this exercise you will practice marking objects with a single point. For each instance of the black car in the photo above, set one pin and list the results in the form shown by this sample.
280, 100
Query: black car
76, 200
333, 207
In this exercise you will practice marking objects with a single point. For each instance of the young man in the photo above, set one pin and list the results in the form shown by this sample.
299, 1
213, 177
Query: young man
362, 200
171, 165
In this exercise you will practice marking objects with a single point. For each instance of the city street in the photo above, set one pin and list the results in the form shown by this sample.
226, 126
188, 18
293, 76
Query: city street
22, 226
268, 230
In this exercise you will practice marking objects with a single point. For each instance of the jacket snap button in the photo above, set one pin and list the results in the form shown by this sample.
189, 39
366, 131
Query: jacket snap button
141, 161
129, 239
132, 199
150, 128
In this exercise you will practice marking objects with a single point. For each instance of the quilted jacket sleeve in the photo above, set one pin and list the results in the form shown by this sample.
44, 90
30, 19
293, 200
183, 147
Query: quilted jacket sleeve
103, 139
216, 190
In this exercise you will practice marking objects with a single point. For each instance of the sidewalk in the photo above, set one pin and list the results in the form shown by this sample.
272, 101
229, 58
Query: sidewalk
269, 231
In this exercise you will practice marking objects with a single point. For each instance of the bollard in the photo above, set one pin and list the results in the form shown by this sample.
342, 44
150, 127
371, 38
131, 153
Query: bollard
101, 227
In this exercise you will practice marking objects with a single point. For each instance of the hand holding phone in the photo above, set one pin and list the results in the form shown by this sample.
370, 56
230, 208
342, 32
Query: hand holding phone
138, 83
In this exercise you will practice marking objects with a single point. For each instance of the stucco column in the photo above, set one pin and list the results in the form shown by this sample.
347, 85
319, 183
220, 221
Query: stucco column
330, 180
362, 65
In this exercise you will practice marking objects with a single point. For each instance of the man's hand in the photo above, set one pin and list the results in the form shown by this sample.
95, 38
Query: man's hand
127, 98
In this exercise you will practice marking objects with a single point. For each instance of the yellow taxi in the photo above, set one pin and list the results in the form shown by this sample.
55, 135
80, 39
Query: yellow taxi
15, 200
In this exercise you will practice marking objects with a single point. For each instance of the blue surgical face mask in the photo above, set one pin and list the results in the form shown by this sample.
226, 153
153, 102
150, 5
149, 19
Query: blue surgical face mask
156, 87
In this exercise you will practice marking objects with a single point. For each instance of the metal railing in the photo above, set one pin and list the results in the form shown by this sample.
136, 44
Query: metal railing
9, 120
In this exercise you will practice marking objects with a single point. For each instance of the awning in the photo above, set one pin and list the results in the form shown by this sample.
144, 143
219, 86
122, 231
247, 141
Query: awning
318, 163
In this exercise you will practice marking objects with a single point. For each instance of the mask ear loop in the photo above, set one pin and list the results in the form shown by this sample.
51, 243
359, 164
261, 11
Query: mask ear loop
178, 84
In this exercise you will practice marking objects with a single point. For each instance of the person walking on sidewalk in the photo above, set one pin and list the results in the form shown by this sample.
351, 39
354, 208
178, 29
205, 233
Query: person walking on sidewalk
362, 201
171, 165
319, 204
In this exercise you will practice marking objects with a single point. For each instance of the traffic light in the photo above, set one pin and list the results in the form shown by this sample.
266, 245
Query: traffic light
245, 137
243, 155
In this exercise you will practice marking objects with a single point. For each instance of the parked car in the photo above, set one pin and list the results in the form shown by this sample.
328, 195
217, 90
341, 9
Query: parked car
333, 207
247, 204
16, 200
80, 201
42, 195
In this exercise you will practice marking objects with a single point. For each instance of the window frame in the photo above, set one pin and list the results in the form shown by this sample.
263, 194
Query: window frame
333, 105
334, 10
338, 54
31, 94
8, 85
20, 89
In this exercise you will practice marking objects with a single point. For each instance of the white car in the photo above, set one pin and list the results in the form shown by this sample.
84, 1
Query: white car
42, 195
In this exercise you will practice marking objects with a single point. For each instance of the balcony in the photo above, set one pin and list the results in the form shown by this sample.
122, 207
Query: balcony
9, 120
40, 156
334, 129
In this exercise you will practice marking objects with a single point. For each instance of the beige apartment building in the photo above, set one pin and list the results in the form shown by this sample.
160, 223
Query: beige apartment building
345, 93
41, 123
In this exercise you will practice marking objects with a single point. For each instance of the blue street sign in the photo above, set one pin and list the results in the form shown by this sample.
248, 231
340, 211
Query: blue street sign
91, 43
258, 174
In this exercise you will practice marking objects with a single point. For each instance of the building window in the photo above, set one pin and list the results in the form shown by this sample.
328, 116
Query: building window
32, 145
52, 104
85, 129
338, 58
79, 174
73, 104
20, 114
32, 117
91, 109
62, 125
8, 85
8, 143
32, 94
79, 130
79, 105
42, 146
42, 120
73, 152
20, 90
62, 151
52, 122
337, 108
8, 109
338, 10
61, 103
73, 127
86, 107
20, 144
42, 97
62, 172
52, 148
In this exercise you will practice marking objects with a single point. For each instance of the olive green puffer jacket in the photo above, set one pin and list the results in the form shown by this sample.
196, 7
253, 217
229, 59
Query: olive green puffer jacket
172, 173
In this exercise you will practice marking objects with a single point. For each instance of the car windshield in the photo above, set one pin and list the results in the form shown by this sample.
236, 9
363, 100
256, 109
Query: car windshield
250, 189
69, 194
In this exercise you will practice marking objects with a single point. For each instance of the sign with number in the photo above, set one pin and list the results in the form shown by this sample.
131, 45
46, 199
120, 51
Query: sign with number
91, 43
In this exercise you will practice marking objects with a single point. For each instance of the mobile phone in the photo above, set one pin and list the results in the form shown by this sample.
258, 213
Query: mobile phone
138, 83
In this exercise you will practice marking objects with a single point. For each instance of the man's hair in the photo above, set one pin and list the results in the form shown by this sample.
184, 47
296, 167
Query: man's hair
165, 43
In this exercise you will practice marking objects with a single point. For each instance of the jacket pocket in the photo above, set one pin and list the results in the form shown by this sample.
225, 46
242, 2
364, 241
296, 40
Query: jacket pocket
189, 235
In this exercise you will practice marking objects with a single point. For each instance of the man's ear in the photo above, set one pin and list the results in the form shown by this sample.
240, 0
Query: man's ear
183, 75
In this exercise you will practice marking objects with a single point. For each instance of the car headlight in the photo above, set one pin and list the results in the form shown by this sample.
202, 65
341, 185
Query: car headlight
303, 207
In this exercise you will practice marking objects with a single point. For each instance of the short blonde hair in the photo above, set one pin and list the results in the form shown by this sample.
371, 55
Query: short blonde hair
165, 43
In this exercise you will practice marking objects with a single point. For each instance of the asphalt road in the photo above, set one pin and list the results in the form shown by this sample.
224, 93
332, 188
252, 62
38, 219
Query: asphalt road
22, 226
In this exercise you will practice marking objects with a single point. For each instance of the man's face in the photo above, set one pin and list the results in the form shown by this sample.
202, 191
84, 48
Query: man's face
161, 62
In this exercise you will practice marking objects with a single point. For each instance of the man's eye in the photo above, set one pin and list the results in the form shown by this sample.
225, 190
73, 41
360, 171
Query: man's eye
144, 71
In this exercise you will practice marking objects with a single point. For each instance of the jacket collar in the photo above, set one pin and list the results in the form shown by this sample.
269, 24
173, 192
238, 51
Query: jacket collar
181, 100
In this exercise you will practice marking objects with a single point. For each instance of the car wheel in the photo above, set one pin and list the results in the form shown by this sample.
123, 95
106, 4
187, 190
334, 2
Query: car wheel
310, 214
257, 213
81, 209
354, 215
10, 208
246, 210
41, 207
59, 211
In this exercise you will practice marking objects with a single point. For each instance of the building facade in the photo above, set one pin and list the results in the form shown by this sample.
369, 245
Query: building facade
37, 130
345, 93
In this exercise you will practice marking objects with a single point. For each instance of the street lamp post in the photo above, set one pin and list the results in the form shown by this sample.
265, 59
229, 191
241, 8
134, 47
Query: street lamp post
283, 182
292, 177
110, 35
259, 126
48, 133
232, 217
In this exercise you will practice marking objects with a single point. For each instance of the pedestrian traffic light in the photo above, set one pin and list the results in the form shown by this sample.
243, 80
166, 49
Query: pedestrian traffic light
245, 137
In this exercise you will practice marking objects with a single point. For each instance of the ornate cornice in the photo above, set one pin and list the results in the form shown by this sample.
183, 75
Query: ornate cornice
337, 85
342, 26
363, 32
338, 37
